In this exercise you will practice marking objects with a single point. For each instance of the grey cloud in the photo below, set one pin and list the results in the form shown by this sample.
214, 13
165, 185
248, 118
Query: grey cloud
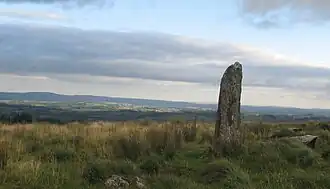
263, 13
265, 24
65, 3
32, 50
30, 15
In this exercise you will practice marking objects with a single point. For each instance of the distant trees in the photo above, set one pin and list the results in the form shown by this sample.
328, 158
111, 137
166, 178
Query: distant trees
16, 117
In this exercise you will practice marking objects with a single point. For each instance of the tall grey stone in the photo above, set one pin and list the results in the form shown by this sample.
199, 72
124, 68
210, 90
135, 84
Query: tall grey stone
229, 104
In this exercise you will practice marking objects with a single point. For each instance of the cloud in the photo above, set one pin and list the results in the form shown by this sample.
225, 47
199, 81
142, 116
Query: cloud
31, 15
117, 59
276, 13
34, 50
65, 3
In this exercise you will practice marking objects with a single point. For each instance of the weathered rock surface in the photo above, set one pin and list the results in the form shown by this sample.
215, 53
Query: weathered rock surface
139, 183
309, 140
118, 182
229, 103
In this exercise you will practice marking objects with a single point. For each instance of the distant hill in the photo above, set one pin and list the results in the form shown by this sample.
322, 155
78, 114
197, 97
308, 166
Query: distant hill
45, 96
52, 97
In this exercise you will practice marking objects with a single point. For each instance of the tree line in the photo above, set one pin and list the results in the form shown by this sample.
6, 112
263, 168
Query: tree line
15, 117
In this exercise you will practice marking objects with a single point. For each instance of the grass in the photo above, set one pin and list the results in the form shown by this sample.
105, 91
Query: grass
164, 155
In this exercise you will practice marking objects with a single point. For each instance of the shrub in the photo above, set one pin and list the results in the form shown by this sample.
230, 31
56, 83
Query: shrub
3, 154
151, 165
298, 153
222, 172
33, 146
58, 154
189, 133
206, 137
129, 147
96, 172
77, 141
62, 154
284, 132
99, 170
262, 156
301, 179
45, 156
261, 130
324, 126
171, 181
169, 152
158, 138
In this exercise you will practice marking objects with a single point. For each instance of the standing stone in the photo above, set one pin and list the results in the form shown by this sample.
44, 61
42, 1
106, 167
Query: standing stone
229, 104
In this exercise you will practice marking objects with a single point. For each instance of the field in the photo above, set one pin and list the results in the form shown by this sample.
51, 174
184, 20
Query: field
160, 155
61, 109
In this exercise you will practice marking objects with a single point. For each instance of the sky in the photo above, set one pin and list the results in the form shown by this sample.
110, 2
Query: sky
168, 50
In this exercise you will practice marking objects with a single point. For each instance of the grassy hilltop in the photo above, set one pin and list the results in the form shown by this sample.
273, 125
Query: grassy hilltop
163, 155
